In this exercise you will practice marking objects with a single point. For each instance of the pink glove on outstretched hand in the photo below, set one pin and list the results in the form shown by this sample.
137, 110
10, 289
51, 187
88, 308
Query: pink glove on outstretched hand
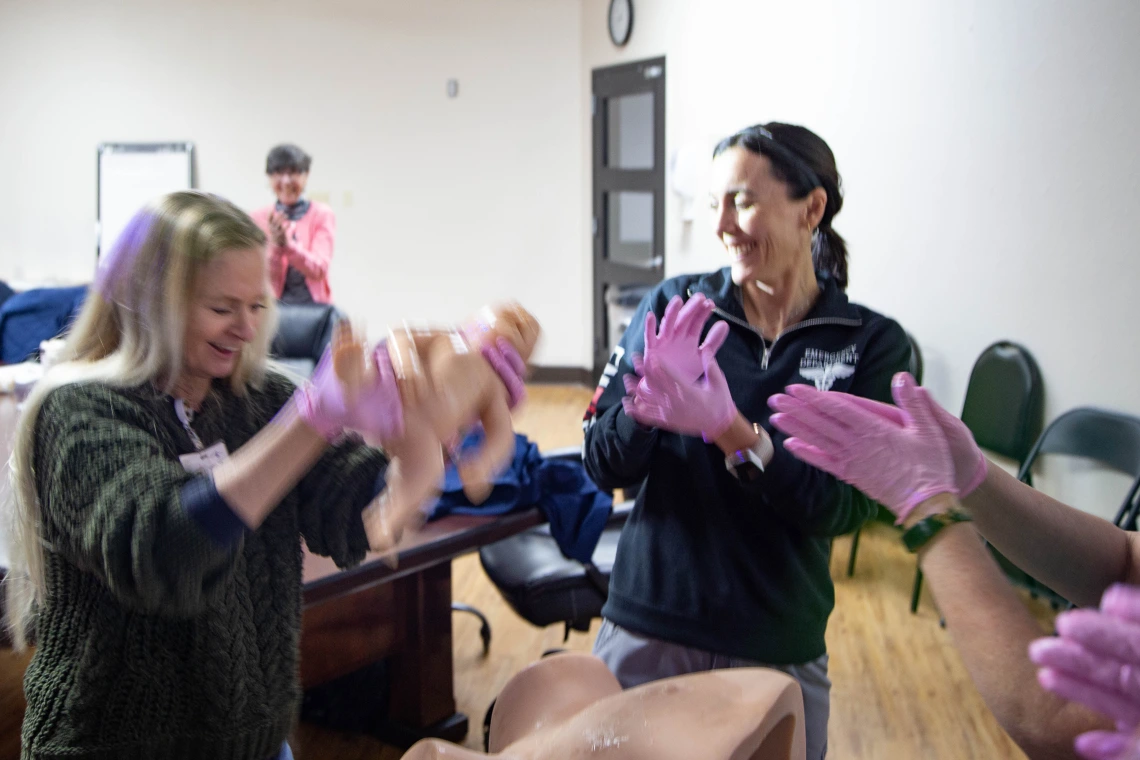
1095, 660
1109, 745
376, 411
676, 344
663, 400
900, 464
970, 465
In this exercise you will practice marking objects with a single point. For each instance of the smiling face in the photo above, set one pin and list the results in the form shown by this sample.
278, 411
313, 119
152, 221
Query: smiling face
765, 231
288, 185
229, 301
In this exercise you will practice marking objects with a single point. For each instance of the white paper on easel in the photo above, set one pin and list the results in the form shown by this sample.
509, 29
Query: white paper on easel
133, 175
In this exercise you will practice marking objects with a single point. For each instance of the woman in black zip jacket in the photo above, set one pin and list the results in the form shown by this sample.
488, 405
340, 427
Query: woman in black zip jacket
724, 560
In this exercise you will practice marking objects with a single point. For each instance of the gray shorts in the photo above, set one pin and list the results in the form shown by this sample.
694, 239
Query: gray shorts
635, 660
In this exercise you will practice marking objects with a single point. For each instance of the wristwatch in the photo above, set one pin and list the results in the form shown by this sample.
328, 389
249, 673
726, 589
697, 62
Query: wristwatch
747, 464
919, 535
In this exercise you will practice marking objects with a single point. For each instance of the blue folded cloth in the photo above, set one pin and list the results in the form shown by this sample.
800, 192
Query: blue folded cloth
576, 509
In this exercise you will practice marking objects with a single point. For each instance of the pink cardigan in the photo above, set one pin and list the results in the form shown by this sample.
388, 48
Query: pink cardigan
309, 251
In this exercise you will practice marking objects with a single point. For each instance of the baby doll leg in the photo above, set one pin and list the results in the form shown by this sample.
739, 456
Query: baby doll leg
413, 479
477, 471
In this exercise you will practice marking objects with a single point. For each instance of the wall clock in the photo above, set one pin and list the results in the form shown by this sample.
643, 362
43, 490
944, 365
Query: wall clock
620, 21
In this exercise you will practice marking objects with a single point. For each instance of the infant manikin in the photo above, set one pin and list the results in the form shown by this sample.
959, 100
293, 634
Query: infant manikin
446, 387
570, 706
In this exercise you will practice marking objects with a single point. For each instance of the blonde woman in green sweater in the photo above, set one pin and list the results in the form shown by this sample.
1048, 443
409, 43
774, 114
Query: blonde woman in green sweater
164, 478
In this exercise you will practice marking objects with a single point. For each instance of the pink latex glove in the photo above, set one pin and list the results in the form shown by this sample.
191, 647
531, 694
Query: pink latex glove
1108, 745
676, 343
898, 464
1095, 660
509, 365
662, 399
376, 412
970, 465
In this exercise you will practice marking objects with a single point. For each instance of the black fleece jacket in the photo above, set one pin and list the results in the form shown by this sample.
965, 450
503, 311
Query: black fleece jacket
706, 560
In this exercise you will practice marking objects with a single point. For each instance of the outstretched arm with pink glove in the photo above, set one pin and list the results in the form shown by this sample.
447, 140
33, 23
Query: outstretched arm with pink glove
915, 458
1095, 661
1024, 523
253, 481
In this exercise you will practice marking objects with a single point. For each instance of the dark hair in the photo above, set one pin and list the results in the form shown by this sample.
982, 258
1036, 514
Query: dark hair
284, 158
803, 161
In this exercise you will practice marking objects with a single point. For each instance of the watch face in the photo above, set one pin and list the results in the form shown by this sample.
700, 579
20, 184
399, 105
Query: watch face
747, 471
745, 465
621, 20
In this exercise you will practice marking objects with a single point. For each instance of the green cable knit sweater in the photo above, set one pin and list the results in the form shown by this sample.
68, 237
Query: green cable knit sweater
154, 641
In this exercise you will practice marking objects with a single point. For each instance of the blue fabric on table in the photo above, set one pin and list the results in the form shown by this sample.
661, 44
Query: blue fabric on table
576, 509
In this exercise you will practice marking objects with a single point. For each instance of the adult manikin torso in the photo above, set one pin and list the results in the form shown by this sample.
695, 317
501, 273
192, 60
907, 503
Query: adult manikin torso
570, 706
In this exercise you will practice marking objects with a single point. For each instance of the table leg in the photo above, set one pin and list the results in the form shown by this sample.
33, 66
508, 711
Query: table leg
422, 674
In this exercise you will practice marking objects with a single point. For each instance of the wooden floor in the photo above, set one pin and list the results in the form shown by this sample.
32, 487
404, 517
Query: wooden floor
899, 689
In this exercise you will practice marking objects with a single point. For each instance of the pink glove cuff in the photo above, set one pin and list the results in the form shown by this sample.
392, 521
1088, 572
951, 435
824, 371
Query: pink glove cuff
977, 479
308, 406
716, 431
919, 497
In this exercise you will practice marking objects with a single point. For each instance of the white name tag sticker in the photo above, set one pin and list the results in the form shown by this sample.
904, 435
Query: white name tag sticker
206, 459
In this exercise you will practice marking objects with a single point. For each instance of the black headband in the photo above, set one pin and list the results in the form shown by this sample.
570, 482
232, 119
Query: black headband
790, 156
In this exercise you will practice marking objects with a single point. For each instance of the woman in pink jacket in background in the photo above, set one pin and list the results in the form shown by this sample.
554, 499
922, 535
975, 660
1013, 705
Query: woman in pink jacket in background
300, 231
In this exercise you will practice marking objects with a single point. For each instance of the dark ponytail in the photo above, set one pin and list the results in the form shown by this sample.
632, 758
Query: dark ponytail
802, 160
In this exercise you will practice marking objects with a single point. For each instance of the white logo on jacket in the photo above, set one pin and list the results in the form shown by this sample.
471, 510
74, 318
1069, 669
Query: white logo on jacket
825, 367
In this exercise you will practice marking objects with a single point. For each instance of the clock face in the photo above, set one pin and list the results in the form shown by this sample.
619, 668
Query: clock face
621, 20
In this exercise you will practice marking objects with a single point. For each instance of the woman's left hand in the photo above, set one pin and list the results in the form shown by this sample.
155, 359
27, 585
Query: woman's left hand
676, 344
660, 398
1095, 660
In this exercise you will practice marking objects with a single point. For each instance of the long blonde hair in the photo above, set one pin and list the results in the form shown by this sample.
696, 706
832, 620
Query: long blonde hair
130, 331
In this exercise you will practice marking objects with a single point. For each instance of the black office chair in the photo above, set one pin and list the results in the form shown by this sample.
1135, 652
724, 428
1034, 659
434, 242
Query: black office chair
1004, 409
303, 332
544, 586
884, 515
539, 582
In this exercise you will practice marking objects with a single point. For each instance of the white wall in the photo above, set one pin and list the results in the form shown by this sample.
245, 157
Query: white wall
990, 152
988, 149
442, 204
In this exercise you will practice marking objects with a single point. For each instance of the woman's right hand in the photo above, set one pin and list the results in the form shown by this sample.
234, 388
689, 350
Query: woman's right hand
373, 408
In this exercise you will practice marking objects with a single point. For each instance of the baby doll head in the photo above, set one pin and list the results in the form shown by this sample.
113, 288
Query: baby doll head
510, 321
